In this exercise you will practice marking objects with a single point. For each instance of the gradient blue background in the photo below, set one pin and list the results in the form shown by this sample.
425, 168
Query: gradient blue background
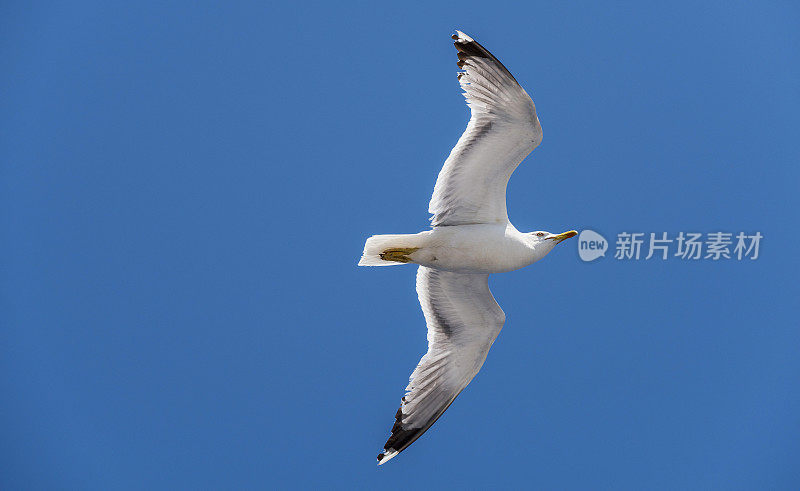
186, 191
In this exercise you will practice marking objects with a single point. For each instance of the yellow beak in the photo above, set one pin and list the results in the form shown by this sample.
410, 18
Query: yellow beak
566, 235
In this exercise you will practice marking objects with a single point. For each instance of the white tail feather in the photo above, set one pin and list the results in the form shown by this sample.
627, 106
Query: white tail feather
377, 244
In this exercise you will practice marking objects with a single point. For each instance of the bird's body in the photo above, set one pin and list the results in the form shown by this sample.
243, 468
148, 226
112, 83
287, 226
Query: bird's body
471, 237
479, 248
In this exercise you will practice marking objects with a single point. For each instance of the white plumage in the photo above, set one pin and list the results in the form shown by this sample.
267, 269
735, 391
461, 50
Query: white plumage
471, 237
503, 129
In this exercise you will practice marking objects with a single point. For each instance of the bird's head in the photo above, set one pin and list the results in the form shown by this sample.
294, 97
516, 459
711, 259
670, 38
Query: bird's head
543, 242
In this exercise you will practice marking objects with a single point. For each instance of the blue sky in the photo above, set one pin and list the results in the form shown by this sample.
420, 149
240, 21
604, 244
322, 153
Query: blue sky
185, 192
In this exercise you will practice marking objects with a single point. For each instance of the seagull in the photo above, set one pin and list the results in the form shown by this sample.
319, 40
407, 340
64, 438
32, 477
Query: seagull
470, 238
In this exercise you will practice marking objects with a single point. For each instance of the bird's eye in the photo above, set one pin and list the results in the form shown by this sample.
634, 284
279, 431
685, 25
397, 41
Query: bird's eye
540, 234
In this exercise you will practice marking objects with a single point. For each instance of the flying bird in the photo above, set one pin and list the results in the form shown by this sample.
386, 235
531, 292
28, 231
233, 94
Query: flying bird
470, 238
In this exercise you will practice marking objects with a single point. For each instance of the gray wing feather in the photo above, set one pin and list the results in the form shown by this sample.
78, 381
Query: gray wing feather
503, 129
463, 321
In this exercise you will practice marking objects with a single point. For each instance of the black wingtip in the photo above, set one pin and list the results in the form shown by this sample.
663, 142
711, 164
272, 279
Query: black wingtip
401, 437
469, 48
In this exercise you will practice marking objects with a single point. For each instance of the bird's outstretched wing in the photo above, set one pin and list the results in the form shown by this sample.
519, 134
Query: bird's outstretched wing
503, 129
463, 321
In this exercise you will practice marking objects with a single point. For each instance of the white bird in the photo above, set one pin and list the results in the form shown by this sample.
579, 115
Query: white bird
471, 237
